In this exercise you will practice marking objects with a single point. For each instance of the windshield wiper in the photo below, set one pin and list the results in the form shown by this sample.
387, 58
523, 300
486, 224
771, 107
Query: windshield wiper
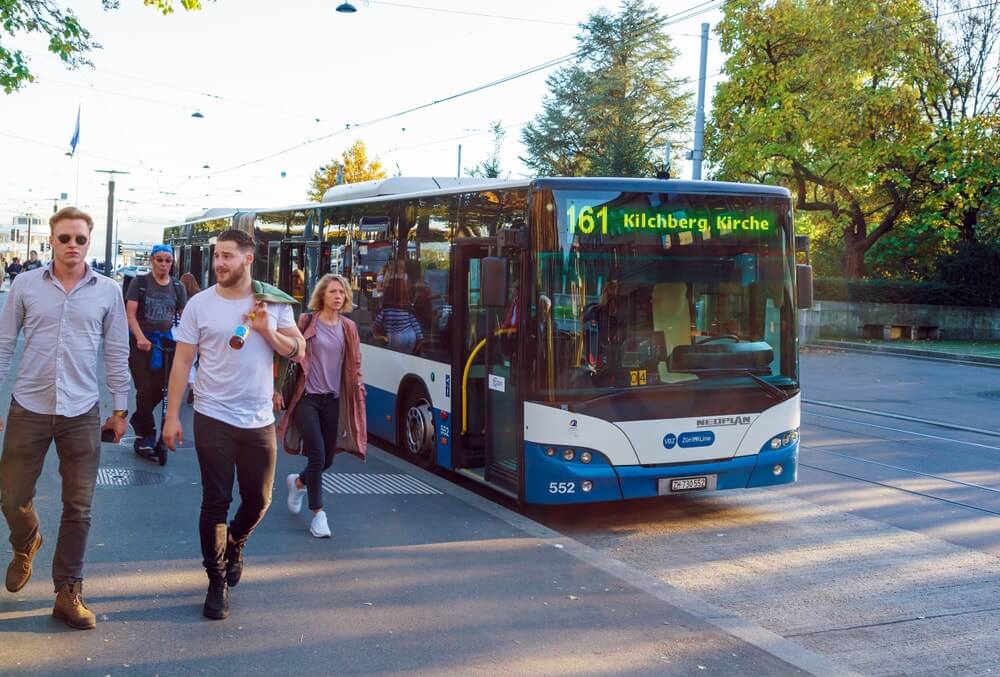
769, 387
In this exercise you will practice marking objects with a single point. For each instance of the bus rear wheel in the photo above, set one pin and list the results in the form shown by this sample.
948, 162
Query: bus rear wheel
417, 428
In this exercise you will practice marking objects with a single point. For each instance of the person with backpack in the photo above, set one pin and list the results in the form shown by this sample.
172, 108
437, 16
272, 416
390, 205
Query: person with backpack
153, 302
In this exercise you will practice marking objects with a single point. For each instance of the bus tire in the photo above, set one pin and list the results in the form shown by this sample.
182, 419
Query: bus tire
416, 422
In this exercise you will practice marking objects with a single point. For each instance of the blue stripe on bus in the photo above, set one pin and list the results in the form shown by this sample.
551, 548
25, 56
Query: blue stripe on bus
551, 480
381, 408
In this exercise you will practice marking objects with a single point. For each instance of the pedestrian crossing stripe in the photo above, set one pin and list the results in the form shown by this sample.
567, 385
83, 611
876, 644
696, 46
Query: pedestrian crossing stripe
375, 483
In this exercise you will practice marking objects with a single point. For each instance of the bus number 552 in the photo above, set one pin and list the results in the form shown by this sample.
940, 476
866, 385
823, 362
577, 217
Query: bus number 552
562, 487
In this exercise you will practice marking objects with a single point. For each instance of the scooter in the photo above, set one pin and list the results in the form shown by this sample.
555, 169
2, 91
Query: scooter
159, 452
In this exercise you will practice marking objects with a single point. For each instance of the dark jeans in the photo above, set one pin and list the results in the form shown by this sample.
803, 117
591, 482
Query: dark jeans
225, 453
149, 384
78, 444
316, 418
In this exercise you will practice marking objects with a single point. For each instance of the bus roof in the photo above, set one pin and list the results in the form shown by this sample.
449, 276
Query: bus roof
209, 214
639, 185
403, 185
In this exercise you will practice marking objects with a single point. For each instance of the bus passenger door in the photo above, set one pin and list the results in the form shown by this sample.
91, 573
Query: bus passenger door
293, 273
484, 402
503, 420
274, 263
468, 327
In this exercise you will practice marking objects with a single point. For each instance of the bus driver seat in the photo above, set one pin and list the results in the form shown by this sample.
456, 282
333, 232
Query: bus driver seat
672, 318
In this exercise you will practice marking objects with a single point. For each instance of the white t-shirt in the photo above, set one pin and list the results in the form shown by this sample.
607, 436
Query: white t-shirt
233, 386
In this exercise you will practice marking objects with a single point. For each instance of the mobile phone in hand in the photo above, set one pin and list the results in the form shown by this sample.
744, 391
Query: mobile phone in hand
108, 435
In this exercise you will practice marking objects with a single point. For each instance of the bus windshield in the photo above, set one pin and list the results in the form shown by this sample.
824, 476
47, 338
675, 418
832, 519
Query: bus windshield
644, 290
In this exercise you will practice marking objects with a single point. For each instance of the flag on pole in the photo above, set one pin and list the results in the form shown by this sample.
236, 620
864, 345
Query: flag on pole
76, 135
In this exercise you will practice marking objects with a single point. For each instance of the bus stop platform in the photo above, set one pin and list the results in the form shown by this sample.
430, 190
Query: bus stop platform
421, 577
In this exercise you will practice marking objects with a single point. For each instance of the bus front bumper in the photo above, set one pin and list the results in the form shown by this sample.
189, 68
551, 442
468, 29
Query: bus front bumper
554, 479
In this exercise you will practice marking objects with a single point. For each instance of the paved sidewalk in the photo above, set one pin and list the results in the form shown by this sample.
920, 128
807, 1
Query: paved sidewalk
421, 577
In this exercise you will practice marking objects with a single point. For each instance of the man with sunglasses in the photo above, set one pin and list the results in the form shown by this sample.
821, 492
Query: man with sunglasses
66, 311
152, 303
236, 335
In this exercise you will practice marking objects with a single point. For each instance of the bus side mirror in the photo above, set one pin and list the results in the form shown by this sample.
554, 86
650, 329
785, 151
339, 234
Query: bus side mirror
803, 286
493, 292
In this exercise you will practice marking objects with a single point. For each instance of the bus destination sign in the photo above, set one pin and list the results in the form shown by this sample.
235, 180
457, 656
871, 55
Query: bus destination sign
590, 221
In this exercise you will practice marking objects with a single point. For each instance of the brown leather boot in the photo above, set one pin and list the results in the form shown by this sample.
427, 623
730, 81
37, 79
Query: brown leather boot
71, 610
19, 569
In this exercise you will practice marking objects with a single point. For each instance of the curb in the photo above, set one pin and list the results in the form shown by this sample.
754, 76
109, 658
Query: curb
915, 353
755, 635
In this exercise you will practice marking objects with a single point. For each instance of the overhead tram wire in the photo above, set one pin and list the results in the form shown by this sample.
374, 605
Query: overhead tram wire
528, 71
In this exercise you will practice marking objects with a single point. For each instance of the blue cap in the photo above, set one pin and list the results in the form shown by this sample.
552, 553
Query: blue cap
161, 249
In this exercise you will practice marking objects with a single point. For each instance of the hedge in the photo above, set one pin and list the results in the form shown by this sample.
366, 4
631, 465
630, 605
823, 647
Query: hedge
901, 291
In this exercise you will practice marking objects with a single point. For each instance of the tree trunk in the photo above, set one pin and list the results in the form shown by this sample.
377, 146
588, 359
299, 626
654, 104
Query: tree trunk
968, 226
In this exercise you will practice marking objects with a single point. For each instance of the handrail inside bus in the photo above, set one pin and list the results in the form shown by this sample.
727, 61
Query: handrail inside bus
465, 375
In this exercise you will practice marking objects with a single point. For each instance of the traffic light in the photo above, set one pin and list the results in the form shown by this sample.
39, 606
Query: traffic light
119, 250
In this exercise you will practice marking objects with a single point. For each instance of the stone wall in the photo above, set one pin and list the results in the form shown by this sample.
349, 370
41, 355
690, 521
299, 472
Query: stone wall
845, 319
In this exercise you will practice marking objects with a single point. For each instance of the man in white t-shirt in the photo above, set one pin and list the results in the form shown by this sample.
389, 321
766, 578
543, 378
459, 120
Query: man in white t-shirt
236, 337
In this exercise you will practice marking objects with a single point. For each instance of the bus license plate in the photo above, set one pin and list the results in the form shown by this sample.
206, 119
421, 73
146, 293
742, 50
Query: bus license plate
683, 484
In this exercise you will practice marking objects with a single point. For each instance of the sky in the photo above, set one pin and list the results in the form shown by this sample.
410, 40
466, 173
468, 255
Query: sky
284, 86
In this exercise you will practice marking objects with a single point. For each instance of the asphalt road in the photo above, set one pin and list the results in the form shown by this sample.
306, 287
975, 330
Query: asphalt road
883, 554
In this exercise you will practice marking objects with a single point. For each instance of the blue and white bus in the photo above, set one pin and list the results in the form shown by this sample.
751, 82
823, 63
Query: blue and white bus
567, 340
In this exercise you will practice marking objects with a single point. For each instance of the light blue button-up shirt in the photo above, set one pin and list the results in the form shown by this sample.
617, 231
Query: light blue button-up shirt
63, 332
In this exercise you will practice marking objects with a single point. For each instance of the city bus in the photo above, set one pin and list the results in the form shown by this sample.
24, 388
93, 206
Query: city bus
563, 340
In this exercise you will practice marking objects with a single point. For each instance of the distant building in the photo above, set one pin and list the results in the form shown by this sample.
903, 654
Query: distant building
14, 238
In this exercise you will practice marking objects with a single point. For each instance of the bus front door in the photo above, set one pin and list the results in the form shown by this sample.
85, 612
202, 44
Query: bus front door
484, 401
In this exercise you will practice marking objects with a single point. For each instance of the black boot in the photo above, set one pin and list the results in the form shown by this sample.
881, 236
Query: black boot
234, 563
217, 600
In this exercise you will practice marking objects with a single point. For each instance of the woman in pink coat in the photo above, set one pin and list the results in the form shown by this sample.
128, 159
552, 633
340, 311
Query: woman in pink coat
327, 411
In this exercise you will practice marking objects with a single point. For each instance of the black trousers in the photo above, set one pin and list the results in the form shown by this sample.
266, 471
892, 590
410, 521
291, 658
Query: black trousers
316, 418
149, 384
225, 453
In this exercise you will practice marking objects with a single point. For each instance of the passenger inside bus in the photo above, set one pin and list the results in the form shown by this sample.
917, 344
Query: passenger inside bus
395, 323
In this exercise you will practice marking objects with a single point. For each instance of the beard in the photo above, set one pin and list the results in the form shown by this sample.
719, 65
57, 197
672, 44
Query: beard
235, 277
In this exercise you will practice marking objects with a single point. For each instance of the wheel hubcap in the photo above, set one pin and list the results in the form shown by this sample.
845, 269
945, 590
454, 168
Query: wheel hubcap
419, 428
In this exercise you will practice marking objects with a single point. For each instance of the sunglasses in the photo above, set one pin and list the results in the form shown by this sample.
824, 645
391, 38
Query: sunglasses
80, 239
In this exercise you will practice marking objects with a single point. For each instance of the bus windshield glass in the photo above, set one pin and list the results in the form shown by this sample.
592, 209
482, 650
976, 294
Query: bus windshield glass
648, 290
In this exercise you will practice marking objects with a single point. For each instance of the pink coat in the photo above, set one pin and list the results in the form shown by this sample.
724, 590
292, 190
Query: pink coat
352, 426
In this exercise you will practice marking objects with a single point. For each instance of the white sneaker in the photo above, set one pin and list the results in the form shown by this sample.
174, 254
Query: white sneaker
319, 528
294, 494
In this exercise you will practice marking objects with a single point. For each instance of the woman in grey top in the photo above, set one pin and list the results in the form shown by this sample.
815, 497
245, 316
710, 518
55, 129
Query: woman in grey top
316, 411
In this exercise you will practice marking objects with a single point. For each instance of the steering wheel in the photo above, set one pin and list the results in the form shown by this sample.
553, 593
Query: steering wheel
710, 339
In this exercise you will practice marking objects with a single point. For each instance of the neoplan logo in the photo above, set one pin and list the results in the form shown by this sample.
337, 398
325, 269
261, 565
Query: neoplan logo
723, 420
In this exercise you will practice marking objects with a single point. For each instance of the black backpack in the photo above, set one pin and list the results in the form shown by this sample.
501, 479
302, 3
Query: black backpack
143, 282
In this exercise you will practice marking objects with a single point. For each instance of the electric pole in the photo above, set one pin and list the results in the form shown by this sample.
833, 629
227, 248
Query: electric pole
698, 152
111, 216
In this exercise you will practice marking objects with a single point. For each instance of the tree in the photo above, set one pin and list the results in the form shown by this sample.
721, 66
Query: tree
355, 166
966, 112
490, 167
614, 108
68, 39
825, 98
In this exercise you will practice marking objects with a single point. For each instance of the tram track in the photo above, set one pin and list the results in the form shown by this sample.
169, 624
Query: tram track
861, 476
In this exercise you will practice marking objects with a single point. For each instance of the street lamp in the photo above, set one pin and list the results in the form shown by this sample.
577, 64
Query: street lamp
346, 8
197, 114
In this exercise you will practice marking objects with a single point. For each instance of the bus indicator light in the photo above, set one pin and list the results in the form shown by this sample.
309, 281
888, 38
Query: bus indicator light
776, 443
777, 469
568, 454
586, 486
550, 451
586, 457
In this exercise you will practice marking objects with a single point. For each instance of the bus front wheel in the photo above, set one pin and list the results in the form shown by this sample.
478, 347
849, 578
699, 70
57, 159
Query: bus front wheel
417, 423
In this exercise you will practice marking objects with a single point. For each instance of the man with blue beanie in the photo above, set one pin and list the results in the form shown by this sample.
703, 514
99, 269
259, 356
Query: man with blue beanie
153, 303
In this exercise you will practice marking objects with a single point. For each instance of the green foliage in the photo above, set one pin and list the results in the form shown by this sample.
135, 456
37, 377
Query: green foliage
973, 267
353, 164
490, 167
899, 291
612, 110
822, 97
68, 39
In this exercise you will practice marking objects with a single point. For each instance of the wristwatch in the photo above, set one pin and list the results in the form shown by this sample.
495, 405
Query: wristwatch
120, 413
